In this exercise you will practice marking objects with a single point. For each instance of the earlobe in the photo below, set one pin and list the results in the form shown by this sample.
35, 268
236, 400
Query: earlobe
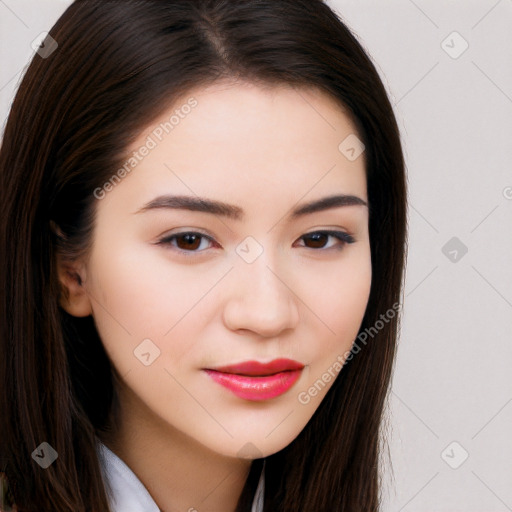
73, 297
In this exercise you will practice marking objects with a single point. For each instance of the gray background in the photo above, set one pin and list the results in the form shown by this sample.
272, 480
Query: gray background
452, 390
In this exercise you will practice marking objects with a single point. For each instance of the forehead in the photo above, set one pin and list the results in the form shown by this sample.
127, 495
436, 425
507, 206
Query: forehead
273, 142
241, 108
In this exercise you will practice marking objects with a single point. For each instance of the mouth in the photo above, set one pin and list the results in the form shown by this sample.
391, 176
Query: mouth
255, 381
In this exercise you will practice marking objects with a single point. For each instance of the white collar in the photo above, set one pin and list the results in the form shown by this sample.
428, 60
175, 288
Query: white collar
128, 494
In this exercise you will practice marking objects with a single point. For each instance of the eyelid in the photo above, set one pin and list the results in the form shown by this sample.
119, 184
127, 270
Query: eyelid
186, 231
165, 239
344, 238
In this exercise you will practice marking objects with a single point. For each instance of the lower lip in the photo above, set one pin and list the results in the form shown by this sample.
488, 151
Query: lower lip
256, 388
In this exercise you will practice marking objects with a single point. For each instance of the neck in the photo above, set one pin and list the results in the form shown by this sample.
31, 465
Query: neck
179, 472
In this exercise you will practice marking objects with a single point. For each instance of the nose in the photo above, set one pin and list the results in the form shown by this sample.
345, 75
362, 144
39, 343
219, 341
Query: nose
261, 300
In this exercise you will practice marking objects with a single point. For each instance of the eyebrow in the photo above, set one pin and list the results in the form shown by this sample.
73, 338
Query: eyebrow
198, 204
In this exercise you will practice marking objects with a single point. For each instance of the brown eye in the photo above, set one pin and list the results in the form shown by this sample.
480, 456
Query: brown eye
190, 241
318, 239
186, 241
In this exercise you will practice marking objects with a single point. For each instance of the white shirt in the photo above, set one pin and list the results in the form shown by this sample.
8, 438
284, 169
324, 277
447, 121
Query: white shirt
128, 494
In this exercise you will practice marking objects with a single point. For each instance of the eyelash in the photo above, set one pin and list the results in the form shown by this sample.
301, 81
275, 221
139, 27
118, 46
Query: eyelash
343, 237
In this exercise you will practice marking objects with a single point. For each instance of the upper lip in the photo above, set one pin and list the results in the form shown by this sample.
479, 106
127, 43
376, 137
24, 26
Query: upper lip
257, 368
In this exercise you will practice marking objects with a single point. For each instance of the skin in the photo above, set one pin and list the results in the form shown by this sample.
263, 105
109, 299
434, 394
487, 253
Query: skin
265, 150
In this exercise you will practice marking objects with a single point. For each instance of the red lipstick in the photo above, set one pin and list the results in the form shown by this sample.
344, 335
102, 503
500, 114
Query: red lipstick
252, 380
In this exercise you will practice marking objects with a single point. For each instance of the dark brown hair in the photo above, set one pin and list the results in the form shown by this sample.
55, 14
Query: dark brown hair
119, 64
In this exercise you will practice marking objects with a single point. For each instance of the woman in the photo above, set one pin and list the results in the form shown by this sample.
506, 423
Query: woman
204, 223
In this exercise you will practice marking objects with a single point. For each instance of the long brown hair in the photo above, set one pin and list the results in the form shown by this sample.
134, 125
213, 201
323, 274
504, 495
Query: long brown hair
118, 65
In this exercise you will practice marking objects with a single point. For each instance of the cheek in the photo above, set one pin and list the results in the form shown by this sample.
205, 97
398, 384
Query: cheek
341, 307
341, 302
351, 298
138, 294
141, 293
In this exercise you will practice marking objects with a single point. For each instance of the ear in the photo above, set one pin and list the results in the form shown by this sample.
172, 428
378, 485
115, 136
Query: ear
73, 297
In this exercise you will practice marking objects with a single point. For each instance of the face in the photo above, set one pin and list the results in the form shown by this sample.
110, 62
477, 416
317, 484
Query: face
180, 293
